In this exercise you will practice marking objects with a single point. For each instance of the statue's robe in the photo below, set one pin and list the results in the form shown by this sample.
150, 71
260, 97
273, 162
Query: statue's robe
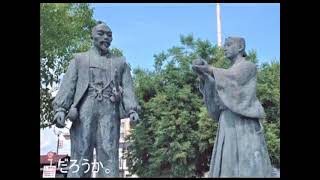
240, 149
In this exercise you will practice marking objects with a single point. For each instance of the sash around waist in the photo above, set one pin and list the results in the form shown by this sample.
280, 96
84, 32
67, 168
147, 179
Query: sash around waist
102, 91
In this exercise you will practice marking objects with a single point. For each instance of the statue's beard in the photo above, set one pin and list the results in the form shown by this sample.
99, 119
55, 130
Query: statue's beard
103, 46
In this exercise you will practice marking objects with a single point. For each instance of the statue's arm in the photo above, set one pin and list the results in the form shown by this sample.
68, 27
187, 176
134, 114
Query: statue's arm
65, 95
212, 70
210, 96
205, 77
129, 99
242, 73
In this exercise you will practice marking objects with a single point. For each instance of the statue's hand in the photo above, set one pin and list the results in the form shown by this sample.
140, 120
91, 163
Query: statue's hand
201, 69
200, 66
59, 118
199, 61
134, 118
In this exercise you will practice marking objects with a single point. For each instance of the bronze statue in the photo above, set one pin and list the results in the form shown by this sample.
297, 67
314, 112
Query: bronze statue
240, 149
96, 91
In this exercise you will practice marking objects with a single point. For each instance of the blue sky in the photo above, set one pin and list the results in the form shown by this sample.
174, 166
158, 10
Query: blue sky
144, 29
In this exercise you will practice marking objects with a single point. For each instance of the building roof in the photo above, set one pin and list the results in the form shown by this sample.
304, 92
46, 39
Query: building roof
66, 136
55, 158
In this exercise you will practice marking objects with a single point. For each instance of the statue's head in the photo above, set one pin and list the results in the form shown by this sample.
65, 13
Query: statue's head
101, 36
234, 46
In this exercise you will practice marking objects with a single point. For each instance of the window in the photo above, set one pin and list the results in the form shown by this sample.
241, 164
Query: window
122, 127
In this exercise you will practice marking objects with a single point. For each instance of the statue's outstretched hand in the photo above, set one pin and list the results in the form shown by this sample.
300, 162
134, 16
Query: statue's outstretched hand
200, 66
59, 118
201, 69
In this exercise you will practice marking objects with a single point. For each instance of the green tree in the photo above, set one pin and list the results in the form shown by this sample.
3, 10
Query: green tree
175, 137
268, 92
65, 29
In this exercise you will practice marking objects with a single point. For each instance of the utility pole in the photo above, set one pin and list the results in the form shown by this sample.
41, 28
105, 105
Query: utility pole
58, 143
57, 132
218, 25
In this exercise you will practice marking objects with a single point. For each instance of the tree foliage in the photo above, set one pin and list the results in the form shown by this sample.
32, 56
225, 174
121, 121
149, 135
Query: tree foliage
175, 137
268, 91
65, 29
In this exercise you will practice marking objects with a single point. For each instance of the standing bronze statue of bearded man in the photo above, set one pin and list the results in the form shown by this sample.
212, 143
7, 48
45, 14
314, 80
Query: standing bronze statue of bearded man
96, 92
